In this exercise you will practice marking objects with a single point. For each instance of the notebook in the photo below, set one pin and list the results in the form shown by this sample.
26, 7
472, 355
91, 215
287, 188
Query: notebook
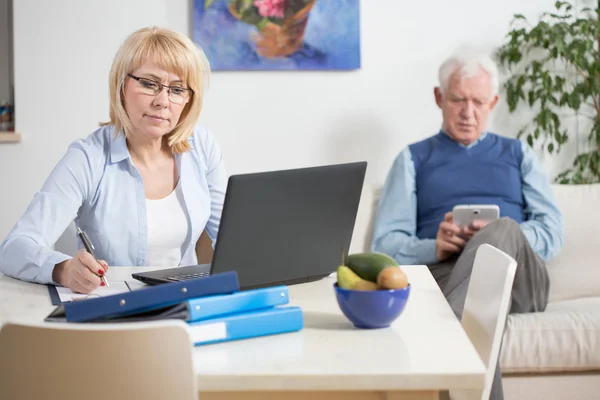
59, 294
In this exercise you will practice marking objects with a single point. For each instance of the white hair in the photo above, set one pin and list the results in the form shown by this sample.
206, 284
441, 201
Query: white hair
469, 64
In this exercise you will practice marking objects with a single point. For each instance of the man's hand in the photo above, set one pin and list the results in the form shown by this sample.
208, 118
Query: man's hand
469, 231
447, 241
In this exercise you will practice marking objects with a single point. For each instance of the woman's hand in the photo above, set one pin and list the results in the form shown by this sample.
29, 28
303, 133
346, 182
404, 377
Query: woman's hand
81, 273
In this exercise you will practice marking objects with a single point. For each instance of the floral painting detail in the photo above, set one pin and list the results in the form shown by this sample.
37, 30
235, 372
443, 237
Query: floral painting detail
279, 34
270, 8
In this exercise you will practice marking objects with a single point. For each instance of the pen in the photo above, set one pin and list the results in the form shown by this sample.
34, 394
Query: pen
90, 249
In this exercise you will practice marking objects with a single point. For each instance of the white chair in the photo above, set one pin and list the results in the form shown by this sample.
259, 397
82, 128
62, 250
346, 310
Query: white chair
486, 308
118, 361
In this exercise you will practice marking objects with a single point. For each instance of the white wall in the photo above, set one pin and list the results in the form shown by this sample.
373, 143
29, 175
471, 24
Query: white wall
263, 121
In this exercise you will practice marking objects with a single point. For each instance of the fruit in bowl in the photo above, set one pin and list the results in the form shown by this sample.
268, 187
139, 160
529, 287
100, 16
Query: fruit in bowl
371, 290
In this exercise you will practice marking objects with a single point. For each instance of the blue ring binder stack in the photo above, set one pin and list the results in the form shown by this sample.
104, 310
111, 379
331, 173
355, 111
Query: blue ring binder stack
213, 306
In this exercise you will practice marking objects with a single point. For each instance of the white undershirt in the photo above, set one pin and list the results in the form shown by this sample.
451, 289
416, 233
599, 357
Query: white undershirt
167, 229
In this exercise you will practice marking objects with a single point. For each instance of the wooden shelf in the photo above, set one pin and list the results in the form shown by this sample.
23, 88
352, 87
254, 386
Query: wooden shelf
9, 137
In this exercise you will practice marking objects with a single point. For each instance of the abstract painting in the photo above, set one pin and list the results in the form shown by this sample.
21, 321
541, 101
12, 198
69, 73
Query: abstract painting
278, 34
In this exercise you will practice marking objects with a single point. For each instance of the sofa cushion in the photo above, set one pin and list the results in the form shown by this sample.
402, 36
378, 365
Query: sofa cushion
365, 216
575, 272
566, 337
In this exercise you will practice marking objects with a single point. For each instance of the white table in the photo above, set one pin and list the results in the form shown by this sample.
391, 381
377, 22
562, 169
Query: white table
423, 352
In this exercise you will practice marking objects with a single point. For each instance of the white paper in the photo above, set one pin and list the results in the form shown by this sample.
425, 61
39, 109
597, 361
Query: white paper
67, 295
207, 332
136, 285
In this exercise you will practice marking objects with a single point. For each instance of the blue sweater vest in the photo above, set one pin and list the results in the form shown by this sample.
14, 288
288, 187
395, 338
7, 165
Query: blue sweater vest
448, 174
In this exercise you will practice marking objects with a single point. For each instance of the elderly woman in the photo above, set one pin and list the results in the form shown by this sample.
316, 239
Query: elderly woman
142, 187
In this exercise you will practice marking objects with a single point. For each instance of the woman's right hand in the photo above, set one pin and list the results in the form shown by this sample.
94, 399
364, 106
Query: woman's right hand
81, 273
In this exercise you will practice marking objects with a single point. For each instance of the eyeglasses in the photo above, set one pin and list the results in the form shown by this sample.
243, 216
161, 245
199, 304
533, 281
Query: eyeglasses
177, 94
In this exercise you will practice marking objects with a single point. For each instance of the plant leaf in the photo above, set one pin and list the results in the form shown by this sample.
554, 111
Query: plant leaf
553, 69
262, 23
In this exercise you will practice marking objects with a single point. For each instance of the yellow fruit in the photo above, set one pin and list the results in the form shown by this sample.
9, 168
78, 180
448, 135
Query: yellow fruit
392, 278
347, 279
369, 265
366, 285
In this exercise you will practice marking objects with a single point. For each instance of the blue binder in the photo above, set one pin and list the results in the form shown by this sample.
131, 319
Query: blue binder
206, 307
144, 303
245, 325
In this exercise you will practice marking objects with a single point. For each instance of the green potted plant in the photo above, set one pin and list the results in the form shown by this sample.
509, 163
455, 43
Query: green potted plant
554, 68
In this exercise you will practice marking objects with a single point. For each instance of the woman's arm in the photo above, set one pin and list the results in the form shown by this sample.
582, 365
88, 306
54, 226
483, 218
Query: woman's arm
27, 253
216, 176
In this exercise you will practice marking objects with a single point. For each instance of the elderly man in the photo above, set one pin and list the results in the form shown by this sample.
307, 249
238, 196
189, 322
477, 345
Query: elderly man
465, 164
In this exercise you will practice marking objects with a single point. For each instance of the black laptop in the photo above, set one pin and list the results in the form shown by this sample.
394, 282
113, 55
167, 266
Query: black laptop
281, 227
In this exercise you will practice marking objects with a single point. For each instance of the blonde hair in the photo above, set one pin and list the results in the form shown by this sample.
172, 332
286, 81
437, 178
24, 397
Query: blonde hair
175, 53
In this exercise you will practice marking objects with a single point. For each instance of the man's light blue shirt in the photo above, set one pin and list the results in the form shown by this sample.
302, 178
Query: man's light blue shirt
97, 185
395, 223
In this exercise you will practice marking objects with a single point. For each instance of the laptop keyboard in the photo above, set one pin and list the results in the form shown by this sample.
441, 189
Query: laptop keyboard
185, 277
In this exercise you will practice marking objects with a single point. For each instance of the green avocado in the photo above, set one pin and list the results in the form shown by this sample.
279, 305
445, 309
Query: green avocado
369, 265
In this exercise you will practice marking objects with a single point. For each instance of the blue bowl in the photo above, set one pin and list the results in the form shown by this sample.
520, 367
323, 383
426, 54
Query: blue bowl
373, 308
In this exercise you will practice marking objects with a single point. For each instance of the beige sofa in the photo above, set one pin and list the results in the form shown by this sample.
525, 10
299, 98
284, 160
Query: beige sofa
554, 354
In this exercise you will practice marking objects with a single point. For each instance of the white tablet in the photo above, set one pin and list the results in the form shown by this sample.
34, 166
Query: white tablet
464, 214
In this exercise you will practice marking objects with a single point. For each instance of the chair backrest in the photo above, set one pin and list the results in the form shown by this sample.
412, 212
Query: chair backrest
204, 249
486, 309
143, 360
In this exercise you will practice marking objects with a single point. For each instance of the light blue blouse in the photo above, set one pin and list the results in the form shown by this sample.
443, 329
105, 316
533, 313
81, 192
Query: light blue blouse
96, 185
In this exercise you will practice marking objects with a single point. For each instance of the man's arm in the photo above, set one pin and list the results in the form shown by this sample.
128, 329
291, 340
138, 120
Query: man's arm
395, 225
543, 227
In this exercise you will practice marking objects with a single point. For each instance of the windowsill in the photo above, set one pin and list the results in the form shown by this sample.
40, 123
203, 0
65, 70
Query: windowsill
10, 137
